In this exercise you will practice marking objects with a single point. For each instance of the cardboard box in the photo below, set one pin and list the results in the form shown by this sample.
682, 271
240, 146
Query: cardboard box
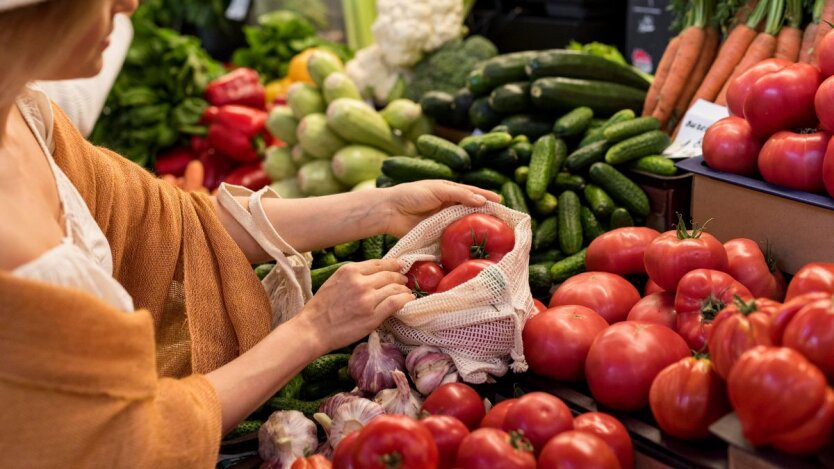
798, 226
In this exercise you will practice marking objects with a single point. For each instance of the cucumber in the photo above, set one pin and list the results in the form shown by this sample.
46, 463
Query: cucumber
293, 388
406, 168
390, 241
531, 125
630, 128
546, 234
577, 64
476, 83
506, 160
437, 105
568, 267
570, 224
282, 124
484, 178
542, 165
547, 204
655, 164
511, 98
312, 390
620, 188
583, 157
520, 139
320, 275
600, 203
443, 151
521, 174
326, 259
596, 123
401, 114
534, 225
568, 182
463, 99
597, 134
591, 227
539, 278
550, 255
356, 163
345, 250
620, 218
574, 122
325, 367
482, 115
604, 98
308, 408
263, 270
244, 428
357, 122
373, 247
506, 68
339, 85
524, 151
500, 128
649, 143
345, 381
479, 145
383, 181
513, 197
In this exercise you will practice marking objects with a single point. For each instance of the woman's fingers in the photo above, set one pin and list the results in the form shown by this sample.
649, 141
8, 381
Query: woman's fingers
386, 277
392, 299
467, 195
377, 265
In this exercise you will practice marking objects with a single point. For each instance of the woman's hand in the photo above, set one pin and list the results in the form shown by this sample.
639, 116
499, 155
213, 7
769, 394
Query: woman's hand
413, 202
355, 301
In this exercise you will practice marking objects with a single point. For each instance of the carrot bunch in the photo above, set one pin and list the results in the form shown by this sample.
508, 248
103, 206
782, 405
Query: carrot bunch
789, 41
809, 37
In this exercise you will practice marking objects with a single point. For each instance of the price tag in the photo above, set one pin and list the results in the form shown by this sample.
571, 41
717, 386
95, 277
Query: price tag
688, 142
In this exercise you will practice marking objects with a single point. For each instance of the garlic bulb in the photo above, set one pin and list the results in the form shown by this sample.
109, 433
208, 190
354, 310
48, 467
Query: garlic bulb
286, 436
429, 368
401, 400
373, 363
348, 418
332, 403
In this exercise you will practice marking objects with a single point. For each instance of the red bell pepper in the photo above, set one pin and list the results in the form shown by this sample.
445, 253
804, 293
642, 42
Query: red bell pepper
251, 176
216, 167
241, 86
174, 161
239, 132
209, 115
199, 144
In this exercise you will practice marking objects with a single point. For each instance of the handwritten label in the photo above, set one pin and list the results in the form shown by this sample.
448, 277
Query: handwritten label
703, 114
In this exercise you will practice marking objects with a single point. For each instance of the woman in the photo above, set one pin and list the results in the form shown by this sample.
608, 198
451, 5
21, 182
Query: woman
86, 238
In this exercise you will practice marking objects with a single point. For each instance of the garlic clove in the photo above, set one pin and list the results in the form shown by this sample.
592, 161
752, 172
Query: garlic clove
372, 363
401, 400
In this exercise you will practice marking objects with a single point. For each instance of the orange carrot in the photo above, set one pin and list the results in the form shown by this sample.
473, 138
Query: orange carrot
826, 18
692, 41
728, 57
193, 177
660, 75
708, 52
807, 48
788, 43
762, 48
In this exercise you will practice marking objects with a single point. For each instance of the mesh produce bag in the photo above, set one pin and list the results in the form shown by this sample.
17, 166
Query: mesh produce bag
479, 322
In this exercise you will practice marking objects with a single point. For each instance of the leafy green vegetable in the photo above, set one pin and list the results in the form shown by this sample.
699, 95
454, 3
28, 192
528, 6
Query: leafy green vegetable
202, 14
447, 68
597, 48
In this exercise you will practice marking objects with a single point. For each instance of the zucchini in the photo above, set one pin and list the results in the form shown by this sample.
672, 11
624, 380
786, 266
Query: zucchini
305, 99
604, 98
542, 166
574, 122
570, 224
531, 125
591, 227
263, 270
597, 134
622, 189
568, 267
484, 178
357, 122
437, 105
546, 234
482, 115
479, 145
292, 388
406, 168
583, 157
345, 250
600, 203
443, 151
521, 174
320, 275
325, 367
524, 151
649, 143
620, 218
630, 128
282, 124
577, 64
339, 85
244, 428
320, 65
568, 182
312, 390
550, 255
511, 98
655, 164
308, 408
401, 114
513, 197
383, 181
373, 247
539, 278
547, 204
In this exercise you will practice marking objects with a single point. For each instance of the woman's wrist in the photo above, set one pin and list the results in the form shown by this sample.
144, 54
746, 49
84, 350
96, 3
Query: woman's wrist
312, 339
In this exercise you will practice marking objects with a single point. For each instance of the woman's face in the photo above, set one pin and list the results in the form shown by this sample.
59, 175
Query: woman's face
83, 58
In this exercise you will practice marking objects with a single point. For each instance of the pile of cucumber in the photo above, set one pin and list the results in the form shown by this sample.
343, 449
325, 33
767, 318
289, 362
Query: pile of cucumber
571, 180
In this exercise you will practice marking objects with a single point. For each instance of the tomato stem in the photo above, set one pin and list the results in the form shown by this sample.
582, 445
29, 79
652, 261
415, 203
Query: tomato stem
418, 292
477, 250
519, 441
695, 233
700, 355
710, 308
392, 460
745, 307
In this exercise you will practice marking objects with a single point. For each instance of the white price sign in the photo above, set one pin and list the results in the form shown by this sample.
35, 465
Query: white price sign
703, 114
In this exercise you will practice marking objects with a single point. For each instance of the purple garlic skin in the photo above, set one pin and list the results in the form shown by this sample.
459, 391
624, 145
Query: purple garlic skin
332, 403
429, 368
285, 436
373, 363
352, 416
401, 400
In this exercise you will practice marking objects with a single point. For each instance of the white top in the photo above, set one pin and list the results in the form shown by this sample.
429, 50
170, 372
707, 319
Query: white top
83, 260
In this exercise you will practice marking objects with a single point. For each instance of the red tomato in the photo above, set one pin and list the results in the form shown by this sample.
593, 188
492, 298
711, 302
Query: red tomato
783, 100
538, 306
813, 277
395, 437
611, 296
624, 360
609, 430
475, 236
652, 287
620, 251
823, 101
490, 448
811, 333
457, 400
700, 296
495, 417
556, 341
738, 328
424, 276
448, 433
824, 53
794, 160
577, 450
657, 308
462, 273
313, 462
729, 145
749, 265
785, 314
828, 169
813, 435
539, 417
738, 88
774, 390
675, 253
343, 453
687, 397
